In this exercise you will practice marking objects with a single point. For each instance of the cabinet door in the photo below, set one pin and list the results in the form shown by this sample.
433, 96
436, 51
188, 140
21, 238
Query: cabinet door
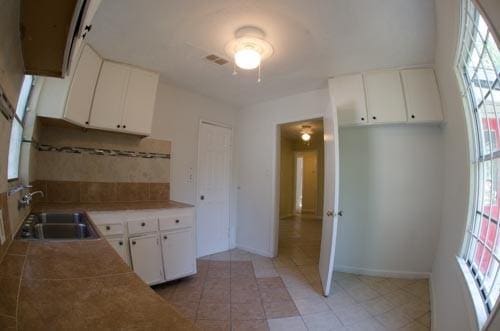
349, 97
140, 101
120, 247
109, 98
81, 91
178, 253
384, 97
145, 253
422, 95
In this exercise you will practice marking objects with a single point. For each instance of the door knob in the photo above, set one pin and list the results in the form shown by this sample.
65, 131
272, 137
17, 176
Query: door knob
329, 213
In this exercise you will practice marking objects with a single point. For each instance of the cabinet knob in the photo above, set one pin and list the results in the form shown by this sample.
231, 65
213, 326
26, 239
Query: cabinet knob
124, 126
120, 243
165, 237
374, 117
118, 125
133, 242
108, 228
87, 122
177, 221
412, 115
202, 197
362, 118
143, 224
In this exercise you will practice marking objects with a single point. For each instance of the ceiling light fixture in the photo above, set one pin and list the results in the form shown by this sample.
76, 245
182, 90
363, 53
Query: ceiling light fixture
305, 133
249, 49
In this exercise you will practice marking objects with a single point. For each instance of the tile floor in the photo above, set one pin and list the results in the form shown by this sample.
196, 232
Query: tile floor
238, 290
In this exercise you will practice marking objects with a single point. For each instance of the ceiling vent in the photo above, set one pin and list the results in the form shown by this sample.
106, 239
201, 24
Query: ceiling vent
215, 59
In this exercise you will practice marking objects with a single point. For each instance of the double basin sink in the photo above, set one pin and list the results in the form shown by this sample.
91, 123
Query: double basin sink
57, 226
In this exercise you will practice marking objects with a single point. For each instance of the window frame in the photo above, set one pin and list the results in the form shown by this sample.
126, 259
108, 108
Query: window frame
21, 122
475, 130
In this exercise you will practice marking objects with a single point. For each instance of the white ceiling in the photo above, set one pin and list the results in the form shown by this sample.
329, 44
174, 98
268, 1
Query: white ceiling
312, 40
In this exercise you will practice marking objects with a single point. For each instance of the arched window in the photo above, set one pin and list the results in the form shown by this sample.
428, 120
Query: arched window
478, 67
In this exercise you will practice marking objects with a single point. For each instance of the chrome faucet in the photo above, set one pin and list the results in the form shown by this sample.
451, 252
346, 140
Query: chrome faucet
27, 198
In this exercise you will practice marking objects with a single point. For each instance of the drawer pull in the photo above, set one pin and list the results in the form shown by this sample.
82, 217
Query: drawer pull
177, 221
120, 243
143, 224
133, 242
165, 237
108, 228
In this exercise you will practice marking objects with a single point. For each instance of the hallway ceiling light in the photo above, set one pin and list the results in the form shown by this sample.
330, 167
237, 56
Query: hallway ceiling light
305, 133
306, 137
249, 49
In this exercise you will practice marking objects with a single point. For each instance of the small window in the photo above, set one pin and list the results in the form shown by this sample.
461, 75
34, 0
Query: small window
16, 134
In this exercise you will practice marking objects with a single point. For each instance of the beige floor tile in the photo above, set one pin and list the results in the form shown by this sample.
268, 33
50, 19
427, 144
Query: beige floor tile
274, 294
362, 293
215, 295
415, 309
213, 311
369, 324
339, 299
414, 326
378, 306
270, 283
247, 311
287, 324
211, 325
280, 309
302, 292
322, 321
393, 319
399, 297
352, 314
251, 325
245, 296
261, 272
309, 306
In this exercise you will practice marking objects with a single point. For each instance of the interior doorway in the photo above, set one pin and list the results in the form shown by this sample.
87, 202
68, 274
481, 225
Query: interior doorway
301, 191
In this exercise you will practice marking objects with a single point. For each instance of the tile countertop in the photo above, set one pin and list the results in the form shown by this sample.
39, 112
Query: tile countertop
107, 206
78, 285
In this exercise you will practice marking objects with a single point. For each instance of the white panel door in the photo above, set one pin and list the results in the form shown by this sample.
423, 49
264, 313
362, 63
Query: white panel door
140, 101
422, 96
214, 171
179, 257
81, 91
109, 98
384, 97
146, 258
331, 196
349, 97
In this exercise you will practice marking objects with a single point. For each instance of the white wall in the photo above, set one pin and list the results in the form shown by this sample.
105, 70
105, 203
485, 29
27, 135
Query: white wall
450, 300
177, 116
257, 141
391, 189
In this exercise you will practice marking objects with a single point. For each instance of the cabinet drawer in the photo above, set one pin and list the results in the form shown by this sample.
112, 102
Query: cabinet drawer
110, 229
142, 226
175, 222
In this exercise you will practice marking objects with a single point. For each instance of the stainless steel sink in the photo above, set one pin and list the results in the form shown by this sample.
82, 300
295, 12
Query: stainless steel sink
57, 226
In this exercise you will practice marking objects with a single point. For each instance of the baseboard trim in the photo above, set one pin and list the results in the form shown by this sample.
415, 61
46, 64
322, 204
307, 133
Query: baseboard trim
432, 303
383, 273
254, 250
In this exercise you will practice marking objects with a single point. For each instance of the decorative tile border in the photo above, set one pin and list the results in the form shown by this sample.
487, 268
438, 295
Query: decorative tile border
101, 151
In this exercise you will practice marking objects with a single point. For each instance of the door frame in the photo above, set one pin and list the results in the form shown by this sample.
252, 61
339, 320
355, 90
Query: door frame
231, 236
275, 176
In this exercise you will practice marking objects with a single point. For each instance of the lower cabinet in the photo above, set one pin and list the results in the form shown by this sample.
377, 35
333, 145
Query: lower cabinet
121, 247
146, 258
178, 252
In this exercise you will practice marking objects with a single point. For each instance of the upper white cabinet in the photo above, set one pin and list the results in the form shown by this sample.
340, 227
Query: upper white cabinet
101, 94
81, 91
349, 96
422, 96
384, 97
109, 97
140, 101
124, 99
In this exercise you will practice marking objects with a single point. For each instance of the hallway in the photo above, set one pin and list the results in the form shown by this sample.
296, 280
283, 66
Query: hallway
300, 239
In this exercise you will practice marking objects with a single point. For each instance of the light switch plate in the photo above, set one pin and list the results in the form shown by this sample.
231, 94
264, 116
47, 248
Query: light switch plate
2, 229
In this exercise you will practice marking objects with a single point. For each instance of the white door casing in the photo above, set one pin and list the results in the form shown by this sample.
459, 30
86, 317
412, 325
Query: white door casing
331, 195
213, 182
